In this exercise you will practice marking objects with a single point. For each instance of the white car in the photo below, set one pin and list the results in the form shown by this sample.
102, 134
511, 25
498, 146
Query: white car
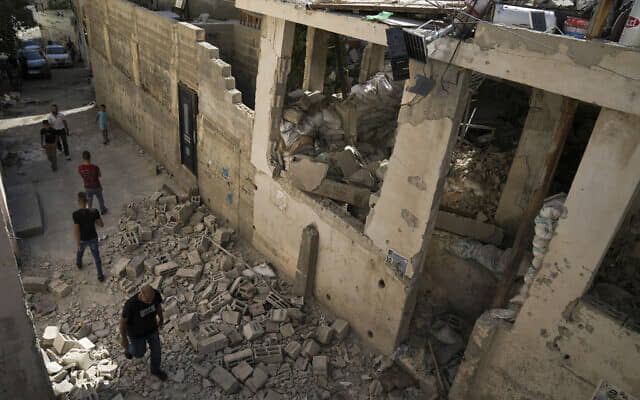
57, 56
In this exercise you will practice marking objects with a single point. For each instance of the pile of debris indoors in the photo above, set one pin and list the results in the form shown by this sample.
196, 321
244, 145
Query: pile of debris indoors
338, 147
231, 330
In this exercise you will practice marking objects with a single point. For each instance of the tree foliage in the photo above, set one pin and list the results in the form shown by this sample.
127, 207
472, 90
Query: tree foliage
14, 16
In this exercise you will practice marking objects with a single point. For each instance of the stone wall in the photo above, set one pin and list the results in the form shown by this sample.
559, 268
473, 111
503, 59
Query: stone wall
138, 60
246, 44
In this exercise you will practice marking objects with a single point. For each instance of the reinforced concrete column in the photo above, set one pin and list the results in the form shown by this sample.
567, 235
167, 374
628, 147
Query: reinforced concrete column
315, 61
404, 217
548, 112
372, 61
601, 194
276, 45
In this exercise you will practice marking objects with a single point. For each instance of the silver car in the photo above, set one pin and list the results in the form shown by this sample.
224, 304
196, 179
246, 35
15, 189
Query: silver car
58, 56
34, 62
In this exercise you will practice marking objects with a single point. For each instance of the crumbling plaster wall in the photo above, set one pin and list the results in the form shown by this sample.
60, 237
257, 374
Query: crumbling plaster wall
138, 59
351, 279
23, 373
562, 344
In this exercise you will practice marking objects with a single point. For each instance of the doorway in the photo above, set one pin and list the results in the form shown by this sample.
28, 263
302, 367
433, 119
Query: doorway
188, 112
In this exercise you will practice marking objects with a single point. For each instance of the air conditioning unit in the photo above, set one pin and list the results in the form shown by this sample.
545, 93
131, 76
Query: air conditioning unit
539, 20
417, 40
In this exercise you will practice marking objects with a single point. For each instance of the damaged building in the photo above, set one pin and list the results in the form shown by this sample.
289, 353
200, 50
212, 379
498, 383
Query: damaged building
459, 188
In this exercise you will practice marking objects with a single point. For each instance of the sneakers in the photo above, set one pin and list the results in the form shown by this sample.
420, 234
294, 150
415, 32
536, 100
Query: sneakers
104, 211
160, 374
79, 266
101, 278
128, 355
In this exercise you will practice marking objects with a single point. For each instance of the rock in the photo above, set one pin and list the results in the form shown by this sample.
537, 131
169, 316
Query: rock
178, 376
35, 284
59, 288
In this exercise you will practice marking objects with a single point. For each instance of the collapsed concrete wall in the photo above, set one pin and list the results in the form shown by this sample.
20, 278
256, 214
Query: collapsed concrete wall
23, 375
138, 59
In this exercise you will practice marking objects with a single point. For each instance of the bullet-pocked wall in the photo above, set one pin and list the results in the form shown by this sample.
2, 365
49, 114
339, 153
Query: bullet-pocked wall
139, 58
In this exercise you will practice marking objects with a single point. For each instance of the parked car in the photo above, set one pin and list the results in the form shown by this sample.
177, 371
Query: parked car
34, 62
58, 56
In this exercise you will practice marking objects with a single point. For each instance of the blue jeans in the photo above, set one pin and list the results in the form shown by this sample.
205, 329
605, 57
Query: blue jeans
95, 251
138, 346
98, 193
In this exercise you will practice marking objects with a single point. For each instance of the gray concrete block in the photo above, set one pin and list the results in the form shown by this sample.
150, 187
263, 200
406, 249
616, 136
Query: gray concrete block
324, 334
135, 267
320, 365
257, 380
242, 371
293, 349
252, 330
225, 380
341, 328
35, 284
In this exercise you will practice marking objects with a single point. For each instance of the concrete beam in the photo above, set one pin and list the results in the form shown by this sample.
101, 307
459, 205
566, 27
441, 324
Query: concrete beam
594, 72
307, 261
404, 217
276, 45
344, 24
315, 61
603, 189
372, 61
546, 115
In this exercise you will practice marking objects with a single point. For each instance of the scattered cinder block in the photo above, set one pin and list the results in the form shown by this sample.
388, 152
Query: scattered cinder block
166, 269
324, 334
233, 359
34, 284
242, 371
49, 335
257, 380
320, 365
310, 348
187, 322
279, 315
293, 349
120, 267
231, 317
213, 344
86, 344
194, 257
225, 380
341, 328
252, 330
287, 330
135, 267
63, 343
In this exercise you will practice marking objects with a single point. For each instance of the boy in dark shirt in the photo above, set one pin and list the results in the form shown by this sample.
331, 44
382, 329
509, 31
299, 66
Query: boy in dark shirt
49, 141
85, 220
139, 326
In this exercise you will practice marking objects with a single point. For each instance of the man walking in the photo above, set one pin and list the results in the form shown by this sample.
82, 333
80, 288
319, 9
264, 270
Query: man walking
85, 220
58, 122
49, 141
90, 174
139, 327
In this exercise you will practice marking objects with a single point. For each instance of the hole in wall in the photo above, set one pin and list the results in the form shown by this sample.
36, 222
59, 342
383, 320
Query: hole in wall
328, 297
381, 284
370, 334
566, 356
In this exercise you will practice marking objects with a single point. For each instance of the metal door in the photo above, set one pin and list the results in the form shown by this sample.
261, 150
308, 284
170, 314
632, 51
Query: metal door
188, 111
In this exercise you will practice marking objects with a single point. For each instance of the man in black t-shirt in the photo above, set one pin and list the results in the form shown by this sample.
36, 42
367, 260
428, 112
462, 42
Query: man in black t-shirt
85, 220
49, 140
139, 326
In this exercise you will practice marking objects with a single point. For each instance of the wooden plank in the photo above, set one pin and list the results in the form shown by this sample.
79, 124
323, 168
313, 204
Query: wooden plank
599, 19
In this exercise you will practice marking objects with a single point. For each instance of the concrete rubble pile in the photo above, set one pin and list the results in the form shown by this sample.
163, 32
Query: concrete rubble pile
475, 181
338, 148
232, 330
77, 368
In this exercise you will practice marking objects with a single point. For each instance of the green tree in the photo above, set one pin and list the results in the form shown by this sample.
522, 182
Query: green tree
14, 16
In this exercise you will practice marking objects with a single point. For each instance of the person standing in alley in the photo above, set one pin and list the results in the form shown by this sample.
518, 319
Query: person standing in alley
90, 174
49, 141
85, 221
103, 123
58, 122
139, 325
